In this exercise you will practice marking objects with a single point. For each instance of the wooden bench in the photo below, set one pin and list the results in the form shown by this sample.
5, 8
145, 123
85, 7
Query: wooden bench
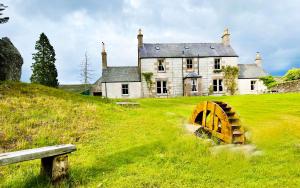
127, 103
54, 159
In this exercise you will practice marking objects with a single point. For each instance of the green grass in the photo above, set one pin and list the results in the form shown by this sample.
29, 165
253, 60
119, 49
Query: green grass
146, 146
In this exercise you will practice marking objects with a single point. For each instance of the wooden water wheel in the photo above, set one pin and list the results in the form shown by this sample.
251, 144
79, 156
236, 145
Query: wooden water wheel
220, 120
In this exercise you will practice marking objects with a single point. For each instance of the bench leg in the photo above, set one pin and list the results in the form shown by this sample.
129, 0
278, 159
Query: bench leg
55, 167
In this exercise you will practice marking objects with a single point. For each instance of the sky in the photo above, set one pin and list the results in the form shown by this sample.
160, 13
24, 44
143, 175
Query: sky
78, 26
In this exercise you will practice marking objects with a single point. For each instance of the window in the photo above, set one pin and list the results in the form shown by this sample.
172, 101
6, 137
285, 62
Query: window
194, 84
161, 87
125, 89
189, 63
161, 67
218, 85
217, 64
253, 83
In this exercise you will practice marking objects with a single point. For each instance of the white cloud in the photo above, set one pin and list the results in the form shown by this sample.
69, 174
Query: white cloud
255, 26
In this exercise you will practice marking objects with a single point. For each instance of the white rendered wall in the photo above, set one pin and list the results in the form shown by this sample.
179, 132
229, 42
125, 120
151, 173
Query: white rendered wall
244, 86
114, 90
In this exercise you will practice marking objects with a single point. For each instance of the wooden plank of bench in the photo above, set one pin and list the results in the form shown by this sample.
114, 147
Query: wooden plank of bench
37, 153
127, 103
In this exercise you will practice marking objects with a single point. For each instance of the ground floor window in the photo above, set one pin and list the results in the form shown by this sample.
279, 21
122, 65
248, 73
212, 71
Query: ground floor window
125, 89
161, 87
194, 85
97, 94
218, 85
253, 84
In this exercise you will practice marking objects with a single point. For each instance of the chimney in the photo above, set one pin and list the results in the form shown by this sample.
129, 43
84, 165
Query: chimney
258, 59
104, 57
140, 39
226, 37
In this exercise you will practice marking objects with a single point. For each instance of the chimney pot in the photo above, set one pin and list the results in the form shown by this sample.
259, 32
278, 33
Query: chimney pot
258, 59
104, 57
140, 38
226, 37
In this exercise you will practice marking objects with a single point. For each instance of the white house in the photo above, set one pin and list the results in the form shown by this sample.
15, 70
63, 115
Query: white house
178, 69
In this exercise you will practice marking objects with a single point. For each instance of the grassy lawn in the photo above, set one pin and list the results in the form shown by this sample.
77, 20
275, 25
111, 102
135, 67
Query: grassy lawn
146, 146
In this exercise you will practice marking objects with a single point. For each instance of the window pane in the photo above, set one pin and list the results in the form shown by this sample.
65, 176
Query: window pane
158, 87
220, 85
215, 88
164, 87
215, 82
125, 89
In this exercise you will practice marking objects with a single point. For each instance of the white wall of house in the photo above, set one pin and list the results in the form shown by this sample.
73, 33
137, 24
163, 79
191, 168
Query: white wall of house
244, 86
114, 90
176, 70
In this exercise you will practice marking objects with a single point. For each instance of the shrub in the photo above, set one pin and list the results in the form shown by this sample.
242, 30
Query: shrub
292, 74
268, 81
230, 76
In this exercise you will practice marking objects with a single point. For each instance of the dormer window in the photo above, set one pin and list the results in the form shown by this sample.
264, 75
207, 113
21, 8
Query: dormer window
161, 65
189, 63
217, 65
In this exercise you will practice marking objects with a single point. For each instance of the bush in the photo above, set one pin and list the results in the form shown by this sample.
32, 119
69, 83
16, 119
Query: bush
268, 81
292, 74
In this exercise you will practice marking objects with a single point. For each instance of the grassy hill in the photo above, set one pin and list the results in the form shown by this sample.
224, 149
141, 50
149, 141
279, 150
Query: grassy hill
146, 146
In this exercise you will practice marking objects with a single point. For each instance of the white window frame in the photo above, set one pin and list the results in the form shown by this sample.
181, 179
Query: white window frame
163, 90
123, 89
217, 61
219, 86
161, 63
189, 62
194, 82
253, 85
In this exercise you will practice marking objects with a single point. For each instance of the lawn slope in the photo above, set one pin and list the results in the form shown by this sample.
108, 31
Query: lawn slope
146, 146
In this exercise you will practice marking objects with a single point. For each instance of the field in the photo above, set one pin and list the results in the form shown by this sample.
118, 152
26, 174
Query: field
147, 146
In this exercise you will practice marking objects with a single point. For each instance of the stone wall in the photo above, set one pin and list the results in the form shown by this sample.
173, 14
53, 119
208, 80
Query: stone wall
290, 86
10, 61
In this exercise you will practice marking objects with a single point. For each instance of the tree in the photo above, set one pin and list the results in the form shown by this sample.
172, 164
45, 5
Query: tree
292, 74
230, 76
148, 79
268, 81
43, 69
3, 19
86, 74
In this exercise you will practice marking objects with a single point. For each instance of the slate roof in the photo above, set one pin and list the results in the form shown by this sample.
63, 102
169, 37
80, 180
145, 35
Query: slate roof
120, 74
251, 71
152, 50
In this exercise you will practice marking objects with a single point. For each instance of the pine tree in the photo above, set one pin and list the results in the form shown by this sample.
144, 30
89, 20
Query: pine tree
43, 69
4, 19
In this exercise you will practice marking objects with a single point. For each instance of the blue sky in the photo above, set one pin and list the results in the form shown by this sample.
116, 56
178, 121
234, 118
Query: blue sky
76, 26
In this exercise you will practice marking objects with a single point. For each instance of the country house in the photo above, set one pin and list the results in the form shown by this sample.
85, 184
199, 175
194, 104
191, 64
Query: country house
178, 69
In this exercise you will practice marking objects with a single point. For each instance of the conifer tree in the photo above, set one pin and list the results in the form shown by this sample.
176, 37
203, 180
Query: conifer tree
3, 19
43, 69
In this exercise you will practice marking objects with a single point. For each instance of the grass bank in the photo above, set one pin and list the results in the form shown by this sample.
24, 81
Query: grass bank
146, 146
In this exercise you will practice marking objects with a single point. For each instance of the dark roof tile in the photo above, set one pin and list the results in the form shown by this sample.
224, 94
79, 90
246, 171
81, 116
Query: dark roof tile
152, 50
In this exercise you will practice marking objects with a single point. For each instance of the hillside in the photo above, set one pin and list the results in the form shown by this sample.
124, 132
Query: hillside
146, 146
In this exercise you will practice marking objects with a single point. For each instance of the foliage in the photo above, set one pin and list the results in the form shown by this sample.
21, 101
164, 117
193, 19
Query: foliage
210, 90
3, 19
43, 69
292, 74
218, 71
148, 79
146, 146
268, 81
230, 76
